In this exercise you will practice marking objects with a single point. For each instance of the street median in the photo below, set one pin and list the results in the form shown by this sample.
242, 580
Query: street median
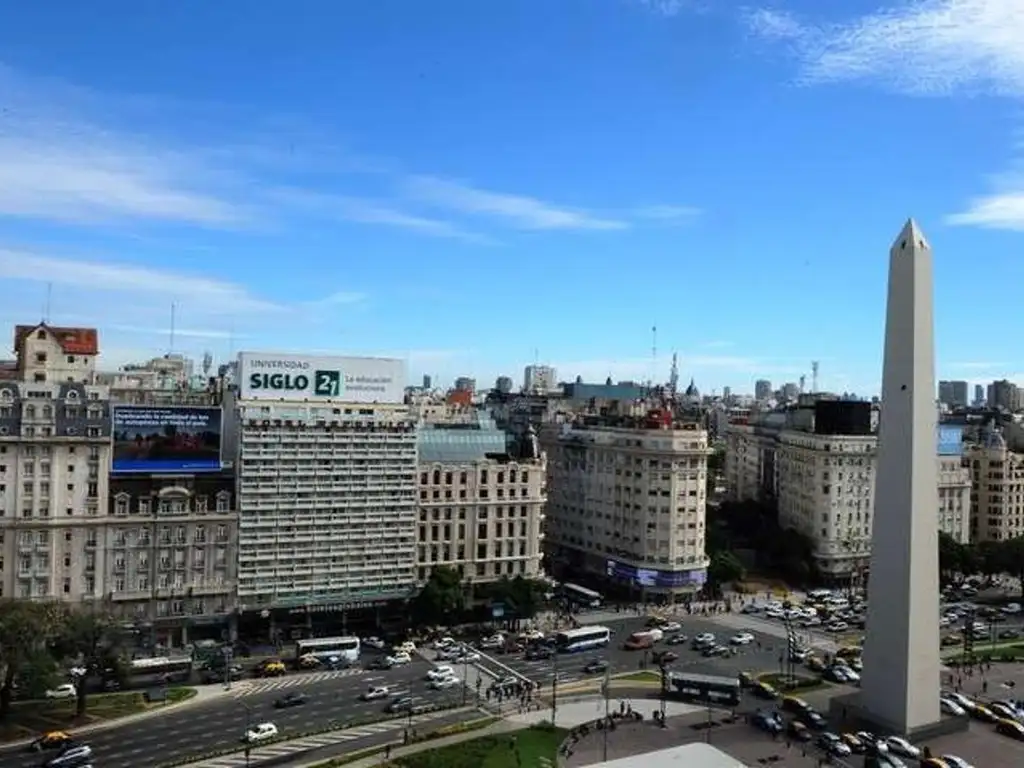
291, 737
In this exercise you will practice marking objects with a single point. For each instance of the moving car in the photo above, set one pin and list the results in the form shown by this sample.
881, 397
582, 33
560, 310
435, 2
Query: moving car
763, 691
270, 668
290, 700
62, 691
677, 639
439, 673
443, 683
75, 756
799, 731
51, 740
1010, 728
398, 658
741, 638
769, 722
897, 745
834, 745
594, 666
402, 704
260, 732
856, 745
375, 692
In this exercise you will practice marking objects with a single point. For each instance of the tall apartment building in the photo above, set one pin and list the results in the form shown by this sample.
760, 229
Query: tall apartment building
539, 379
327, 492
953, 393
626, 502
762, 390
997, 497
818, 467
55, 531
1004, 394
481, 501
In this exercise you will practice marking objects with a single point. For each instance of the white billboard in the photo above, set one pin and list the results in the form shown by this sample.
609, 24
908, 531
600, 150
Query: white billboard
271, 376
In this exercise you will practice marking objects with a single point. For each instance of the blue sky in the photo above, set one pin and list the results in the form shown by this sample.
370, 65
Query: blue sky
476, 185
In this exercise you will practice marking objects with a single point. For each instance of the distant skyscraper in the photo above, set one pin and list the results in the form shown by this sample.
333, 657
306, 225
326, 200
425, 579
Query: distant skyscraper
953, 393
503, 384
900, 685
465, 384
539, 378
979, 395
762, 389
427, 381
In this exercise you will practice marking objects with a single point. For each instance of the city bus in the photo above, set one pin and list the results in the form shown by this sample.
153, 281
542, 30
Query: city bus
325, 647
582, 596
159, 670
709, 689
582, 639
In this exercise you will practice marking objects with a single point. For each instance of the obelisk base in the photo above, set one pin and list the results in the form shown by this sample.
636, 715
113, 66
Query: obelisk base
848, 713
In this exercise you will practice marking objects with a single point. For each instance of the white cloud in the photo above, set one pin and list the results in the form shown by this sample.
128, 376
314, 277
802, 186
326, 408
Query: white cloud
715, 368
926, 47
976, 365
521, 211
186, 333
669, 8
215, 296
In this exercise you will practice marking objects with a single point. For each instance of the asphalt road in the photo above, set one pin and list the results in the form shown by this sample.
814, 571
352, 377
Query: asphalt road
220, 723
569, 668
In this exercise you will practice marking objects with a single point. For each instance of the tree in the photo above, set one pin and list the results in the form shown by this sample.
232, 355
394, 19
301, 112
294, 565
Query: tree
25, 629
442, 600
723, 568
92, 641
953, 558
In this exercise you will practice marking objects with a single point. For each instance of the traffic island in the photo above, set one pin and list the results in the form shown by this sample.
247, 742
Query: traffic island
28, 719
792, 684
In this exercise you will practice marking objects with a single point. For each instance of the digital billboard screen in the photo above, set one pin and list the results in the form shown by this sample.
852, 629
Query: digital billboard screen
172, 439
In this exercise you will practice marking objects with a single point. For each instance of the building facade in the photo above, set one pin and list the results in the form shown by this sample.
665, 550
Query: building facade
953, 393
626, 503
539, 379
54, 461
997, 500
173, 555
823, 487
481, 502
327, 495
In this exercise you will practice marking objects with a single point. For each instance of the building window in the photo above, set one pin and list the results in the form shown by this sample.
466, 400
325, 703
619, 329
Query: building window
121, 502
224, 501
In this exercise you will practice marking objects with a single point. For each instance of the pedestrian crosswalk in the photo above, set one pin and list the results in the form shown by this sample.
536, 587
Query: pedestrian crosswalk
283, 749
252, 687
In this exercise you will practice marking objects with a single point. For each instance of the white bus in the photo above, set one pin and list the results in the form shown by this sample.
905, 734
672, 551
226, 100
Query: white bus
323, 647
161, 669
587, 598
582, 639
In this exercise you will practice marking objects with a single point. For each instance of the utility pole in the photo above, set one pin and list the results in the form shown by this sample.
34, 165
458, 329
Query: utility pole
554, 687
605, 687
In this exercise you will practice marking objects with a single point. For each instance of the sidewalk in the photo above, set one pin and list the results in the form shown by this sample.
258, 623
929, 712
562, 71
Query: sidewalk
375, 760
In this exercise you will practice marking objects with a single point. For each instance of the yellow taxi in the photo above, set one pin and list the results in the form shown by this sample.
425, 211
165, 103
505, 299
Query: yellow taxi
934, 762
309, 661
51, 740
794, 704
815, 664
1010, 728
853, 742
271, 668
848, 652
762, 690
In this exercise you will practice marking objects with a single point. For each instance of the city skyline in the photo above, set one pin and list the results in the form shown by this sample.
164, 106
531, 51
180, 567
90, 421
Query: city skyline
560, 194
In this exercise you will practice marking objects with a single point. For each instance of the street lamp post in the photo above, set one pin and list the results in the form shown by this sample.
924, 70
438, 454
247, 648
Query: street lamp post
248, 727
554, 687
228, 659
790, 648
606, 690
664, 689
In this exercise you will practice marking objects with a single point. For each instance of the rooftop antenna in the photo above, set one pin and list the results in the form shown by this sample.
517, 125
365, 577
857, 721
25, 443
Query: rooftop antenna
654, 354
815, 365
536, 356
174, 312
49, 300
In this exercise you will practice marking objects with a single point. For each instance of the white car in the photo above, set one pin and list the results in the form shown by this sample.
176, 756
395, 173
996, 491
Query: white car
672, 626
742, 638
467, 656
407, 647
965, 702
399, 658
950, 707
375, 692
443, 683
900, 746
775, 613
850, 675
955, 762
440, 673
63, 691
444, 642
260, 732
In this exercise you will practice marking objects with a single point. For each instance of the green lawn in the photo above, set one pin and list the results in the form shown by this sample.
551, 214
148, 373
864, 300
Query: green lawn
639, 677
518, 749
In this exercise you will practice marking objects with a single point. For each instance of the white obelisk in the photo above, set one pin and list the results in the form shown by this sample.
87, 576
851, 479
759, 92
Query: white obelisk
900, 683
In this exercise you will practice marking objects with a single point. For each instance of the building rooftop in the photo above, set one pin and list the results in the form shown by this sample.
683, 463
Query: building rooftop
461, 442
74, 341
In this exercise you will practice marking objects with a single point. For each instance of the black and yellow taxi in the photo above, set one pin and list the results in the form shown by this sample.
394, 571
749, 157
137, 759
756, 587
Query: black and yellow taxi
746, 679
799, 731
795, 704
270, 668
934, 762
762, 690
1010, 728
51, 740
815, 664
856, 745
